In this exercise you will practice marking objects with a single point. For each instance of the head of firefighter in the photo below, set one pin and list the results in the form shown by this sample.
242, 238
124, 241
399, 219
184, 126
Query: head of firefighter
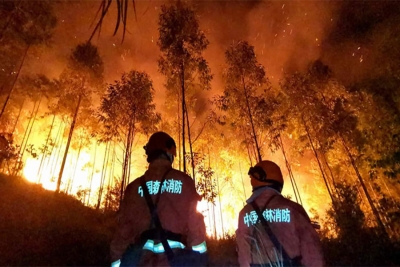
160, 145
266, 173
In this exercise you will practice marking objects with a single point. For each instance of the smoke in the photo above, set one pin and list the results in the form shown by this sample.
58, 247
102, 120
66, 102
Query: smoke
287, 36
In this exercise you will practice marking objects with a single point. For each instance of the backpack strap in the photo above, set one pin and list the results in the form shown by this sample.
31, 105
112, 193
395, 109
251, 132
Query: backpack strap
268, 230
154, 214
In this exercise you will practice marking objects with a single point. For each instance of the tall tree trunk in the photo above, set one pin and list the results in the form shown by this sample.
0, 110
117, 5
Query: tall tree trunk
93, 170
30, 129
190, 144
58, 145
45, 149
15, 80
248, 153
128, 146
18, 164
289, 168
18, 116
71, 131
48, 161
214, 224
53, 151
75, 167
360, 179
111, 175
179, 131
110, 179
103, 174
183, 116
241, 176
220, 207
251, 121
319, 163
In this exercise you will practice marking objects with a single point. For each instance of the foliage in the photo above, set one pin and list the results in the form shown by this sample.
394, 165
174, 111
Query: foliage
7, 149
356, 243
129, 103
205, 182
127, 109
29, 22
80, 81
182, 43
241, 99
122, 15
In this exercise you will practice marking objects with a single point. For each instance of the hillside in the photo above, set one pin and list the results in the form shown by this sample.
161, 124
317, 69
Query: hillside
40, 227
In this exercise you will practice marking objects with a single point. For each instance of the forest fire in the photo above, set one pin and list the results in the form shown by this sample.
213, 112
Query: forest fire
309, 85
220, 216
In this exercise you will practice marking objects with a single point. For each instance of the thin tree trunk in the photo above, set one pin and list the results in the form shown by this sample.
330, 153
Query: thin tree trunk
319, 163
93, 170
130, 156
54, 150
370, 202
58, 144
15, 80
183, 117
190, 144
214, 224
111, 177
19, 115
70, 178
103, 175
75, 167
128, 144
248, 153
71, 130
241, 176
251, 120
45, 148
289, 168
30, 128
179, 132
220, 207
24, 141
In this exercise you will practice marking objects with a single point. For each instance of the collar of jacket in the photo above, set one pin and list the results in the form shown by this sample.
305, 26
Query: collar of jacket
160, 163
258, 191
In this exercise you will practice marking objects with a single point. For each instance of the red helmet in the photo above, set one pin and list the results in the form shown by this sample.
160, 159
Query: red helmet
158, 143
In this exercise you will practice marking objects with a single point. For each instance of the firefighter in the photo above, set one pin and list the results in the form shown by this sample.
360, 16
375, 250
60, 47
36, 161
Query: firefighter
273, 230
176, 209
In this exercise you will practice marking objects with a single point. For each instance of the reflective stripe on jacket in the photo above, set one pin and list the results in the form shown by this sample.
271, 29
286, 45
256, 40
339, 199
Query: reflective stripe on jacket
176, 209
290, 224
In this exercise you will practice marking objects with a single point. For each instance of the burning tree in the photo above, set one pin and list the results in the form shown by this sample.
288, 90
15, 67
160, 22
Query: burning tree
182, 43
126, 110
81, 79
244, 76
23, 24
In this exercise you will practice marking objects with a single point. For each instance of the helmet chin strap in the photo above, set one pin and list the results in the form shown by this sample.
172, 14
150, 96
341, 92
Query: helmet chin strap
170, 157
